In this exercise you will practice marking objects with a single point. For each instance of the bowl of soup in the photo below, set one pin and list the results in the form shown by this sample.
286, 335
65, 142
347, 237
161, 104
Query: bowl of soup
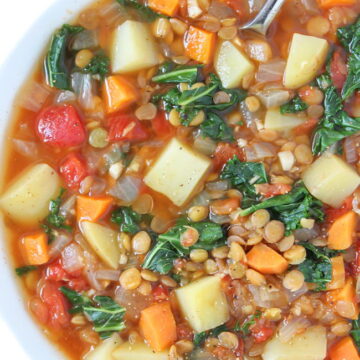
178, 187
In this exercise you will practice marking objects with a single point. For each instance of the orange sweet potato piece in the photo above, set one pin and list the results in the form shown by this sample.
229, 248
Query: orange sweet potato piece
338, 273
326, 4
341, 232
344, 350
167, 7
92, 208
35, 248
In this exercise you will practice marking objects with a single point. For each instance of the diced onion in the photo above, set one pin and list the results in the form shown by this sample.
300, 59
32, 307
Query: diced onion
84, 88
271, 71
268, 298
35, 97
205, 145
97, 186
219, 219
72, 259
126, 188
64, 97
273, 97
62, 239
259, 151
351, 154
26, 148
68, 206
306, 234
84, 40
112, 13
221, 185
105, 274
250, 117
202, 199
287, 160
289, 328
310, 6
293, 295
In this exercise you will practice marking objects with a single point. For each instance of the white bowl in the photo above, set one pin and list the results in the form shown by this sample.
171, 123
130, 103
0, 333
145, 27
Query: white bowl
13, 74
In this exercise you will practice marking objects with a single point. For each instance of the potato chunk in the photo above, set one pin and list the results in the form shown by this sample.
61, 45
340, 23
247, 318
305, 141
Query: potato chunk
104, 350
330, 179
231, 64
274, 120
177, 172
306, 57
310, 345
203, 303
133, 48
103, 241
27, 199
138, 351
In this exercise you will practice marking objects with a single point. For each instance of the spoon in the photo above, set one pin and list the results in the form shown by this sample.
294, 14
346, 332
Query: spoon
264, 18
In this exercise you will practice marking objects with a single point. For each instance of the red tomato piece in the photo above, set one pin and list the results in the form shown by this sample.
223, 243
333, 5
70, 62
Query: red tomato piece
127, 127
78, 284
161, 126
338, 70
184, 332
39, 309
56, 303
261, 333
160, 293
306, 127
56, 272
74, 170
60, 125
355, 264
332, 214
270, 190
225, 152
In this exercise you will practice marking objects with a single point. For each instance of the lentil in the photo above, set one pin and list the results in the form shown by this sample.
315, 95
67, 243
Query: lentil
83, 58
141, 242
198, 255
274, 231
295, 255
130, 279
293, 280
198, 213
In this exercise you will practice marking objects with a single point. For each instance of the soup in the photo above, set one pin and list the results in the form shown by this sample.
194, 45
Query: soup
178, 188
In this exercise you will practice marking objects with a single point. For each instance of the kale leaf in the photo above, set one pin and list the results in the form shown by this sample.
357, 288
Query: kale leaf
245, 327
216, 128
355, 332
349, 36
317, 267
168, 73
243, 176
168, 245
199, 338
106, 315
291, 208
56, 71
23, 270
99, 65
293, 106
127, 219
143, 11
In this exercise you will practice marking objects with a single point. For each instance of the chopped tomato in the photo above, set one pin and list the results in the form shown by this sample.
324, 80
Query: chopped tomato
332, 214
161, 125
78, 284
338, 70
56, 304
56, 272
74, 170
39, 309
355, 264
184, 332
261, 333
225, 152
270, 190
160, 293
126, 127
60, 125
305, 128
226, 285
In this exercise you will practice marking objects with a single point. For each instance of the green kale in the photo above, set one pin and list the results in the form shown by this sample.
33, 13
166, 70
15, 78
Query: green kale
290, 208
216, 128
355, 332
243, 176
99, 65
128, 219
23, 270
145, 13
56, 70
199, 338
245, 327
106, 315
168, 73
293, 106
317, 267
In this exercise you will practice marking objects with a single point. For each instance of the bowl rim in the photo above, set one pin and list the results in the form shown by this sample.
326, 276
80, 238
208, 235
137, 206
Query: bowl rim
28, 334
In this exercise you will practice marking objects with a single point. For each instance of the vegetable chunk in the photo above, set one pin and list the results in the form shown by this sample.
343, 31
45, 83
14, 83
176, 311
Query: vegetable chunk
105, 349
307, 55
310, 345
203, 303
344, 350
166, 7
27, 199
177, 172
274, 120
133, 48
231, 65
138, 351
92, 208
341, 232
35, 248
330, 179
103, 241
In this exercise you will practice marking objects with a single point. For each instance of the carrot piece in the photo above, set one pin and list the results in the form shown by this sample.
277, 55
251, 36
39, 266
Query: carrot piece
306, 127
35, 248
92, 208
157, 324
266, 260
167, 7
344, 350
118, 93
345, 294
341, 232
338, 273
326, 4
199, 45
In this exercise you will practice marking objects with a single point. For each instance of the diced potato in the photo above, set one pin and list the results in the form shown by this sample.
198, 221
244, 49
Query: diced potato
330, 179
103, 241
231, 65
310, 345
203, 303
138, 351
274, 120
27, 199
133, 48
306, 57
105, 349
177, 172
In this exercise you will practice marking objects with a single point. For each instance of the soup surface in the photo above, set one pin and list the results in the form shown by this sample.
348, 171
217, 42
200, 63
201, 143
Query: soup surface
177, 188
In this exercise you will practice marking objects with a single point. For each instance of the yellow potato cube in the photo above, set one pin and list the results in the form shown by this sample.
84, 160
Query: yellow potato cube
274, 120
138, 351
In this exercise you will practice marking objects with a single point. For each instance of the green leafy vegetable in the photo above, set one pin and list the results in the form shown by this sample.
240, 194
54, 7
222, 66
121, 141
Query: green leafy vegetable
355, 332
317, 266
168, 246
199, 338
106, 315
127, 218
56, 71
23, 270
349, 37
293, 106
245, 327
181, 74
216, 128
291, 208
243, 176
143, 11
99, 65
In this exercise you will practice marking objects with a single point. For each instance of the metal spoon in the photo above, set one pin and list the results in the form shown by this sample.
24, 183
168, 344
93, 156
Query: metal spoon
264, 18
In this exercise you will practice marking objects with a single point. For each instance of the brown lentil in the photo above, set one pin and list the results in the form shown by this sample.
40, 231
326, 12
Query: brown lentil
168, 281
130, 279
178, 26
318, 26
174, 118
303, 154
83, 58
295, 255
149, 275
198, 213
260, 218
145, 288
293, 280
274, 231
221, 97
141, 242
210, 266
252, 103
229, 340
341, 328
255, 278
236, 252
237, 270
198, 119
146, 112
220, 252
198, 255
286, 243
227, 32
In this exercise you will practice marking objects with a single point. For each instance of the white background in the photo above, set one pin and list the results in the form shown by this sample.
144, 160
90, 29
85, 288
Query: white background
15, 18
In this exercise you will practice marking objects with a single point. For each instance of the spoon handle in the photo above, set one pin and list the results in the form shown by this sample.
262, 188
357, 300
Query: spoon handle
264, 18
